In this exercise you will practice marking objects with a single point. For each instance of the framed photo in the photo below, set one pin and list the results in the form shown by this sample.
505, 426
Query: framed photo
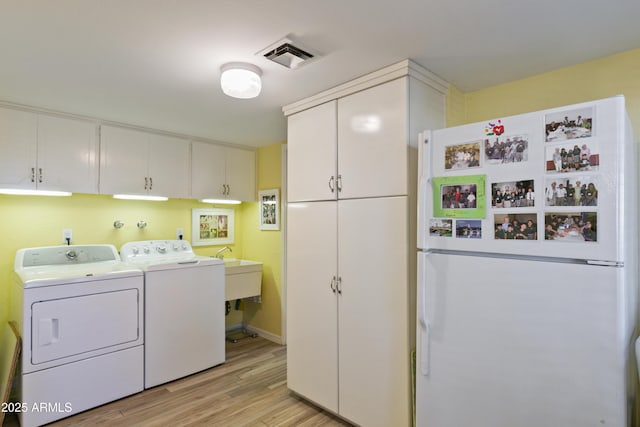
269, 209
459, 197
212, 227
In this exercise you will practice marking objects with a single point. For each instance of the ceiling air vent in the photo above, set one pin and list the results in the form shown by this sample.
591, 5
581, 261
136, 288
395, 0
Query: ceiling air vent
287, 54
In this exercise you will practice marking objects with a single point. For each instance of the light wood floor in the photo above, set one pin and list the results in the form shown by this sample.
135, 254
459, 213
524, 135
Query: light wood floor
248, 390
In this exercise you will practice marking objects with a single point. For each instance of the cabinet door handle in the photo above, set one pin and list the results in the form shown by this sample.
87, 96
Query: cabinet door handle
150, 183
339, 285
33, 174
331, 184
333, 284
146, 183
339, 183
40, 175
228, 189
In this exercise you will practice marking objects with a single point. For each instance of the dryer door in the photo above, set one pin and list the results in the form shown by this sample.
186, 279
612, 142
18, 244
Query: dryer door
70, 326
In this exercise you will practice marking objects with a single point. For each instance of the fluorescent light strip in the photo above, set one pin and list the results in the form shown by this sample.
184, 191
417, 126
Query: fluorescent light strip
221, 201
22, 192
138, 197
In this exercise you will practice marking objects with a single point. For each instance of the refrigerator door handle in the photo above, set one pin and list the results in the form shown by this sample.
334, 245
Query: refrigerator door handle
425, 326
425, 171
425, 338
425, 150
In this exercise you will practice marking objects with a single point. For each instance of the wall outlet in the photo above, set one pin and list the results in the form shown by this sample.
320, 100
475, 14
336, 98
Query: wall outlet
67, 236
179, 234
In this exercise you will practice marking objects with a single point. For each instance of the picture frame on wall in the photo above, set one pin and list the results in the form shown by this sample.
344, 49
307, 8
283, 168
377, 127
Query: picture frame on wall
212, 227
269, 209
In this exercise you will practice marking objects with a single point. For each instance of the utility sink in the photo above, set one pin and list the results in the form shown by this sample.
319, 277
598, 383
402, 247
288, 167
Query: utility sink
243, 278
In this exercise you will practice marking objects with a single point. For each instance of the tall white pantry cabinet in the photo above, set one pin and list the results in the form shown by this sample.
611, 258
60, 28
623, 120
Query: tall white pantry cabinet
351, 245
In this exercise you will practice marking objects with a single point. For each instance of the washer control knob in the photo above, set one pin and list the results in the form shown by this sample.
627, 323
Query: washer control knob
135, 250
145, 249
71, 254
162, 249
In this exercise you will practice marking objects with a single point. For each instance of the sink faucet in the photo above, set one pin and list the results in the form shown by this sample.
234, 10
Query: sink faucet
219, 253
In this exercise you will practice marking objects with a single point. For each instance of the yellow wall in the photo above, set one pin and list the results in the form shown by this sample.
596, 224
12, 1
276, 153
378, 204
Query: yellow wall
601, 78
265, 246
38, 221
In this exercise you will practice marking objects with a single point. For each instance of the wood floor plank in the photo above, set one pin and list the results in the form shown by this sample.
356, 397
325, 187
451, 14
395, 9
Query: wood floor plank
249, 389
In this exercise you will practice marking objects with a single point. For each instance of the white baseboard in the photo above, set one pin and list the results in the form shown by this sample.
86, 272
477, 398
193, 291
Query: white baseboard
235, 326
265, 334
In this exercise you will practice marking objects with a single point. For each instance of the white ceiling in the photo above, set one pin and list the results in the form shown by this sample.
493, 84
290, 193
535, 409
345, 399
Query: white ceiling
155, 63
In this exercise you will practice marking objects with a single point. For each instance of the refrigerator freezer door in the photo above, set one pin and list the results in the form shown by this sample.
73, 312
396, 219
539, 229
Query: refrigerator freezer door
612, 212
520, 343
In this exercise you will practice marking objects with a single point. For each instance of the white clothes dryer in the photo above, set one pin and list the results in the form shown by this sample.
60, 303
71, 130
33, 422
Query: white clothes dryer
183, 308
79, 312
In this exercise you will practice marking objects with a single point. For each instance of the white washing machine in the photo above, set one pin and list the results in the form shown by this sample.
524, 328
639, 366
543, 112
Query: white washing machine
79, 312
183, 308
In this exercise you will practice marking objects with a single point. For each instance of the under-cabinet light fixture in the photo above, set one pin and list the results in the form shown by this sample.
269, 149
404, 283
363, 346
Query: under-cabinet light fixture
221, 201
23, 192
140, 197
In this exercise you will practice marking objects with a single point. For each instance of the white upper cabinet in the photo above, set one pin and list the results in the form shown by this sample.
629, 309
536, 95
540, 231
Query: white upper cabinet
219, 172
372, 141
351, 148
208, 171
143, 163
18, 148
42, 152
312, 151
241, 174
67, 155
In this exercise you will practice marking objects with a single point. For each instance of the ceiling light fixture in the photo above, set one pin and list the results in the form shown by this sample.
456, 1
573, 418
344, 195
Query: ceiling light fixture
241, 80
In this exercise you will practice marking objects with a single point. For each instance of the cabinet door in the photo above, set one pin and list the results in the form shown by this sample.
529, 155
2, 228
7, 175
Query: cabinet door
123, 161
372, 141
312, 352
208, 171
241, 174
311, 152
168, 166
18, 133
373, 311
67, 152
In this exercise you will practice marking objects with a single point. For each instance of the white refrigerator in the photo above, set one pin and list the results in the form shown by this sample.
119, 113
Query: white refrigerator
528, 270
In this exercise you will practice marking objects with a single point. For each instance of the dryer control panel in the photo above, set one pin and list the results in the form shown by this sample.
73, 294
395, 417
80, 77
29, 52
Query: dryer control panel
64, 255
156, 250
